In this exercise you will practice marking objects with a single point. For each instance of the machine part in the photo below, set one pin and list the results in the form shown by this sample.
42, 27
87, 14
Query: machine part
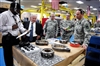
22, 44
47, 53
29, 49
63, 41
75, 44
60, 47
41, 42
35, 56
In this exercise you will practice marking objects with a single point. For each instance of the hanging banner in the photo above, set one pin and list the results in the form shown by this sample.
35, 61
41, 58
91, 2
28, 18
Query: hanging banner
55, 4
43, 21
88, 11
99, 14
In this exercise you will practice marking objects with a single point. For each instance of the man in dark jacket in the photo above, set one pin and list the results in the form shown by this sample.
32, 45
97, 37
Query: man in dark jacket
35, 28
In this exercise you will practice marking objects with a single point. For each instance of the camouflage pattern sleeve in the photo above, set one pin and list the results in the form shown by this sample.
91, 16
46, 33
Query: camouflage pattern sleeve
61, 24
56, 28
86, 28
45, 27
72, 26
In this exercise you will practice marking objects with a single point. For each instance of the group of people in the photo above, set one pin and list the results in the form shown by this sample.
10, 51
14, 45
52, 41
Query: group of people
79, 28
11, 26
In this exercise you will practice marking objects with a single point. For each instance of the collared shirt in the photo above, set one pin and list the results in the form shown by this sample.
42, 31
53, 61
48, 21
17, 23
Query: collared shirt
34, 29
67, 24
0, 24
8, 21
51, 26
81, 31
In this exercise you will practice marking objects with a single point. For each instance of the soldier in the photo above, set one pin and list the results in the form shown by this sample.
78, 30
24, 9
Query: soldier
81, 29
67, 27
51, 27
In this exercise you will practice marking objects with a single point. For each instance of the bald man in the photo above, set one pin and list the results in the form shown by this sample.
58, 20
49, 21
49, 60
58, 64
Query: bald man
51, 27
67, 28
36, 30
81, 29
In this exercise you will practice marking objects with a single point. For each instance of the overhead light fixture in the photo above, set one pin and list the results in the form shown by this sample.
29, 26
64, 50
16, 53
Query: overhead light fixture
63, 12
65, 4
5, 1
92, 13
76, 8
91, 6
57, 13
39, 3
50, 0
79, 2
33, 6
94, 8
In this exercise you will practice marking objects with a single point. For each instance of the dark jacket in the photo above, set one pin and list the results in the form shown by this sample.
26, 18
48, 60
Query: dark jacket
39, 30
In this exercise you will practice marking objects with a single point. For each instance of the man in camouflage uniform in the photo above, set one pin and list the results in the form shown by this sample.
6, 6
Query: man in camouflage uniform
81, 29
67, 27
51, 27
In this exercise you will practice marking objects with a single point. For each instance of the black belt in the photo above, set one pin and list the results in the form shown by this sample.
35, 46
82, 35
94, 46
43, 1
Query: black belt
10, 36
0, 44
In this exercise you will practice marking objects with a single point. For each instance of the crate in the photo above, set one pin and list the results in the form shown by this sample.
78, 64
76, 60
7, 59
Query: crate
95, 40
93, 52
89, 62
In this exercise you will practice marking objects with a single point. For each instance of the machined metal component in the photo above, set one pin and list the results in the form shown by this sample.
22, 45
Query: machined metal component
41, 42
47, 53
63, 41
22, 44
60, 47
29, 49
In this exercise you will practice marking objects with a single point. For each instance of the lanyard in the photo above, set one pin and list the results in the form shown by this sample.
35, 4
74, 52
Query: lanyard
15, 20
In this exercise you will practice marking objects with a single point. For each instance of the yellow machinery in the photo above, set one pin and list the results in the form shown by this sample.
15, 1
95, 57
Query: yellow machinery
46, 9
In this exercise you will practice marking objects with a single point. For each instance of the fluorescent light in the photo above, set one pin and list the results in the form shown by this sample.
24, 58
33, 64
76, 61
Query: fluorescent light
39, 3
76, 8
50, 0
65, 4
92, 13
5, 1
91, 6
33, 6
79, 2
94, 8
